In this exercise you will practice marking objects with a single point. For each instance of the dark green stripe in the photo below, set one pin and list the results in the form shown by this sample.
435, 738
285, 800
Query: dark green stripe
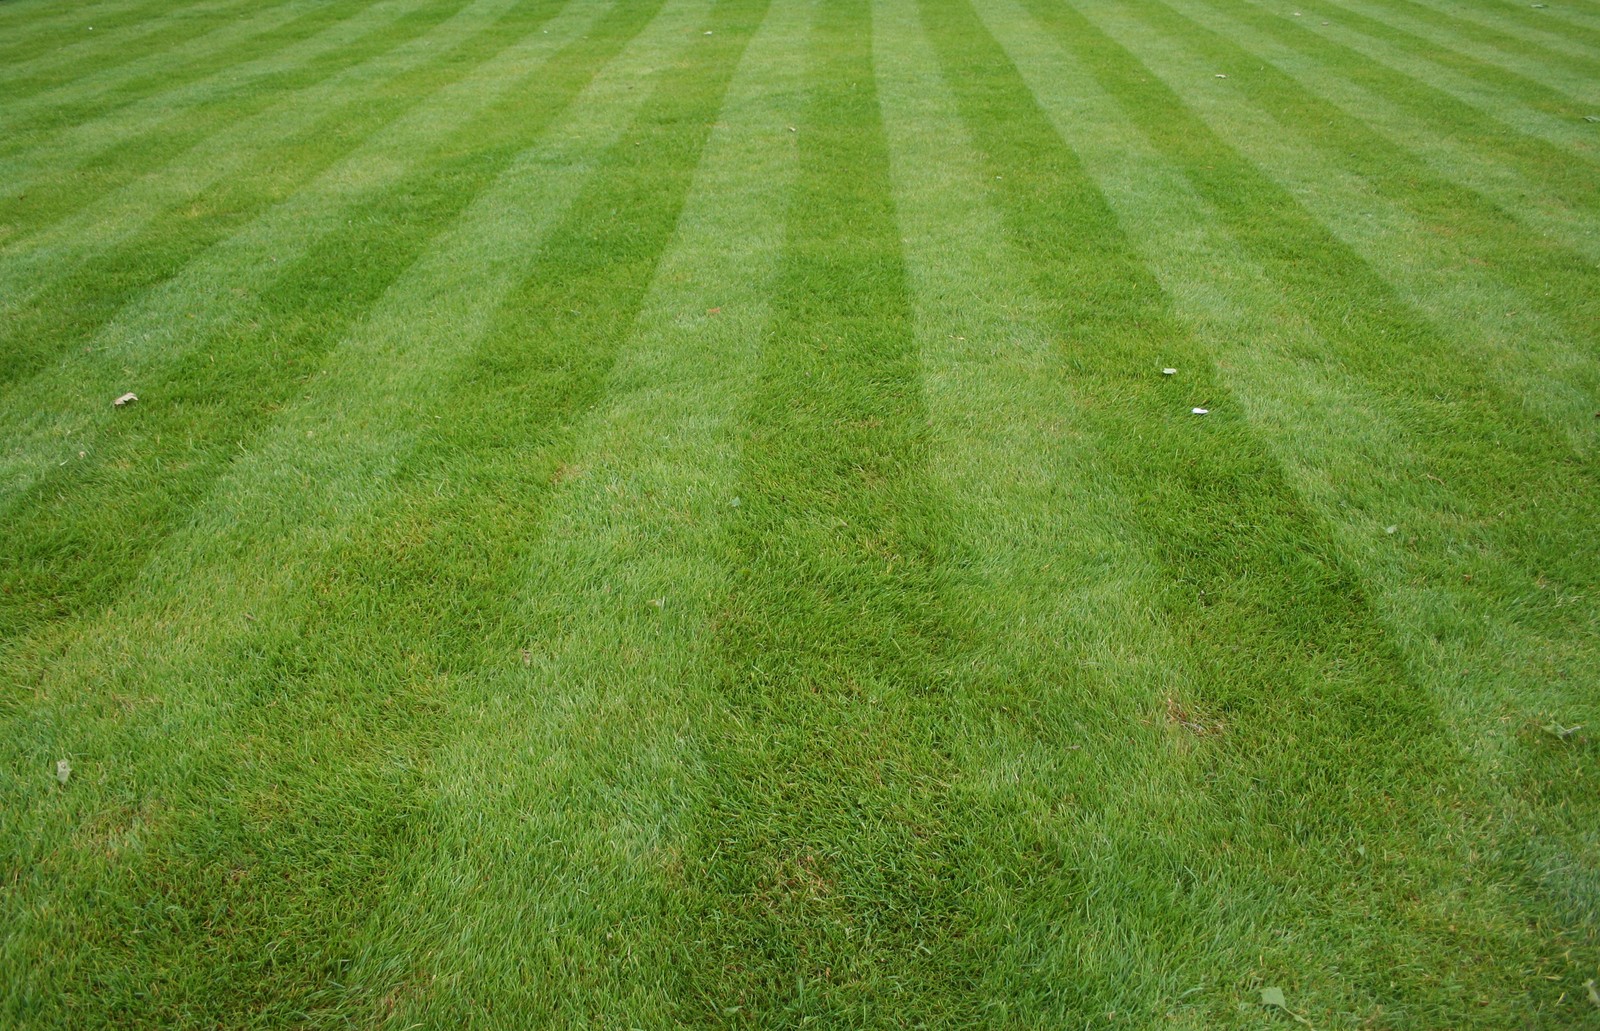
36, 36
70, 309
1466, 28
78, 536
91, 174
1569, 177
315, 18
1538, 95
826, 887
1462, 422
1326, 732
421, 595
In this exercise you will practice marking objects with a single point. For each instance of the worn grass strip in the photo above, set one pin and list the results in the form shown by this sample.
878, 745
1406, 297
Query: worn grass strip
102, 156
1326, 735
826, 877
52, 416
81, 533
274, 157
308, 541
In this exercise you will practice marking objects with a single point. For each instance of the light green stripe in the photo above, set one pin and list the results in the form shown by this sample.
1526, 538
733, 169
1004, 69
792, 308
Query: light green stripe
94, 84
212, 159
49, 418
1571, 70
1061, 589
1539, 359
1514, 112
591, 747
1466, 160
260, 542
93, 31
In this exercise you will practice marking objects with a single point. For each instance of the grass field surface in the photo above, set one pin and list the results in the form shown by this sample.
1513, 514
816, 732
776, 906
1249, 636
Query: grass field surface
667, 513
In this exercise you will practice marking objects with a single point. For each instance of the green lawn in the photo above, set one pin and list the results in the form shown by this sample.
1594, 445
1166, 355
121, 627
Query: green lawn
669, 513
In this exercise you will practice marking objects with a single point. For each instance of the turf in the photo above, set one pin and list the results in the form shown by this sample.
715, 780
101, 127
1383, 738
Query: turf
669, 513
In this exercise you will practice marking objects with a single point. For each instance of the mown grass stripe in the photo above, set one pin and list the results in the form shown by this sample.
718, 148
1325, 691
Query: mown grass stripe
96, 158
74, 95
146, 474
74, 165
1439, 387
308, 134
317, 564
95, 30
1326, 734
1070, 756
1483, 234
26, 31
1543, 203
1554, 83
576, 833
1555, 169
1490, 642
825, 882
1519, 104
1528, 30
1551, 61
212, 297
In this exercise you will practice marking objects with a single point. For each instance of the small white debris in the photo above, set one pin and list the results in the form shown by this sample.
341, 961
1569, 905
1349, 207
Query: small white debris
1169, 372
1391, 529
658, 602
1201, 411
126, 399
1221, 76
708, 32
63, 770
792, 128
735, 503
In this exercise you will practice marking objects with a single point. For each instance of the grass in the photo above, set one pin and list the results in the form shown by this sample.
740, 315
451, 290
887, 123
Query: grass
669, 513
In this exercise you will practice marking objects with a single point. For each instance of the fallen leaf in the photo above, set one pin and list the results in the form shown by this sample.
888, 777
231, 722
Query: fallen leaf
63, 770
1594, 996
1591, 118
1555, 729
1274, 997
713, 311
125, 399
527, 657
